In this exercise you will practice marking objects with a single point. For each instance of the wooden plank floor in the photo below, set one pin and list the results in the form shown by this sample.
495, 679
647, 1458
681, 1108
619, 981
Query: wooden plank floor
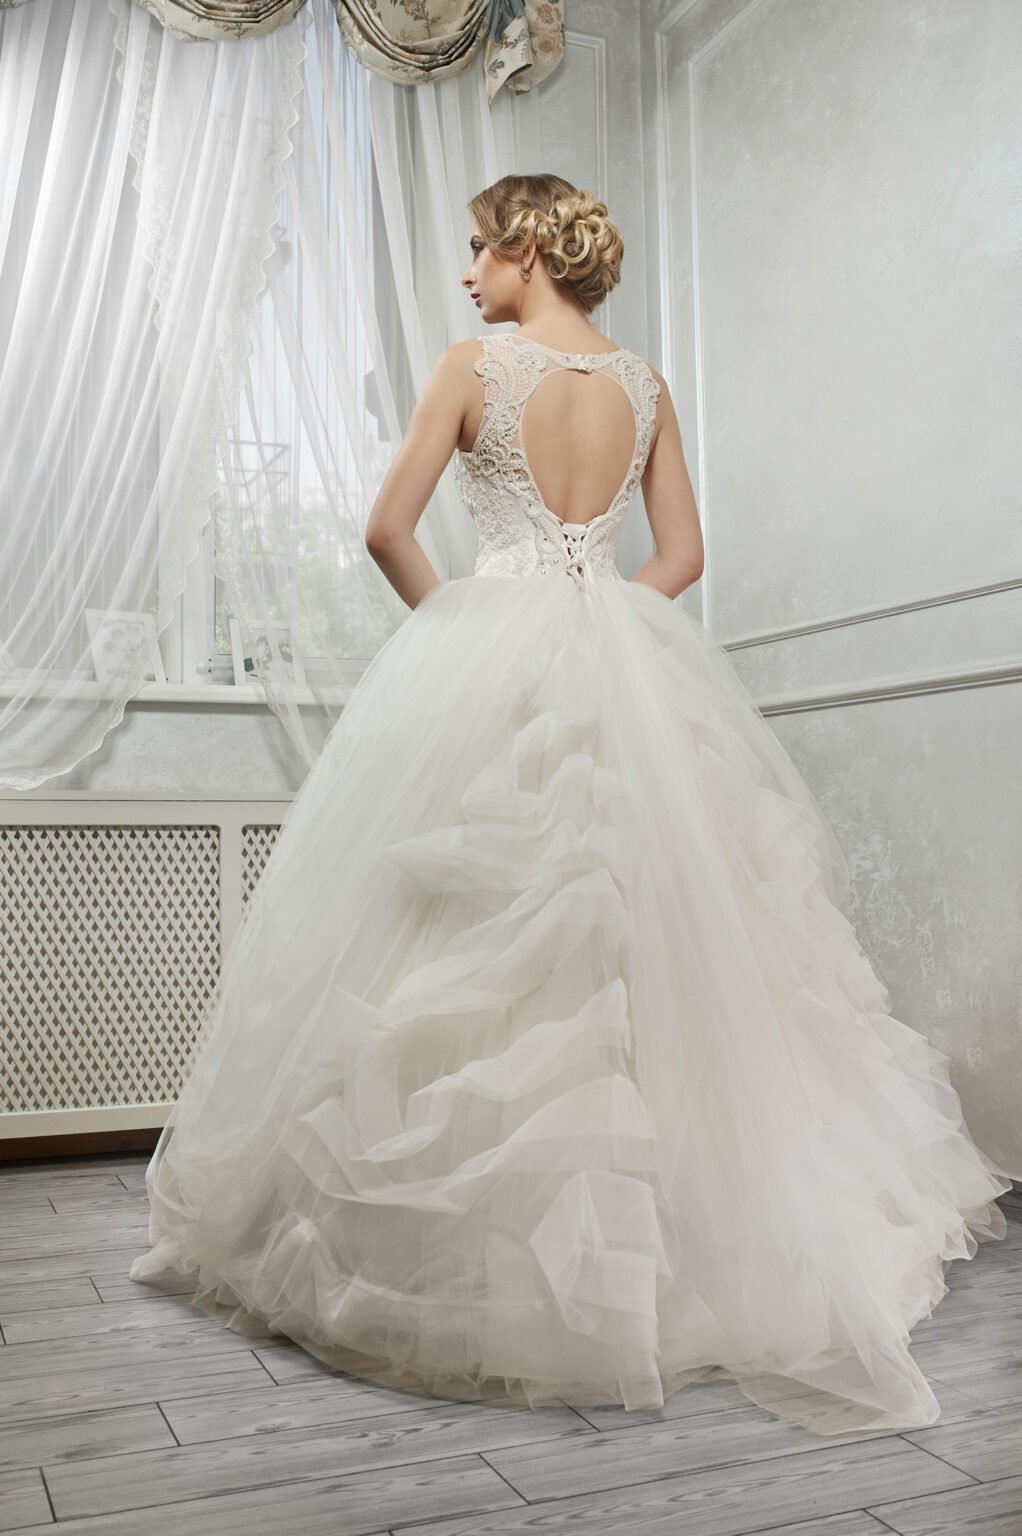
128, 1413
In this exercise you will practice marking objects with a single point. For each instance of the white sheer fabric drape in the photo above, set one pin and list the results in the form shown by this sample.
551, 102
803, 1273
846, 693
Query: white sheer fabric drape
363, 295
139, 183
220, 266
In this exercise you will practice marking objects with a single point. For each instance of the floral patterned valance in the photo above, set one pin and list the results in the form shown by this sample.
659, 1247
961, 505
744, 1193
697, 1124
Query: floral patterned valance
412, 41
214, 20
409, 41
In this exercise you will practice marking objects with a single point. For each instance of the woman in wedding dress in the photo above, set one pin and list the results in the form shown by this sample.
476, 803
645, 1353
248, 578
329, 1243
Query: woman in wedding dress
546, 1066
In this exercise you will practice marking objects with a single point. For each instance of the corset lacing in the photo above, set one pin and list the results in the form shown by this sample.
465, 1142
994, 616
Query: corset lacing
574, 546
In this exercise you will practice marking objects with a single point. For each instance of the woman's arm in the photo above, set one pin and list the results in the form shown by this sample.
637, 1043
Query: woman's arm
670, 506
432, 436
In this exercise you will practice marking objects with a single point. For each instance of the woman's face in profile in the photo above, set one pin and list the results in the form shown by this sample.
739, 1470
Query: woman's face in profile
492, 281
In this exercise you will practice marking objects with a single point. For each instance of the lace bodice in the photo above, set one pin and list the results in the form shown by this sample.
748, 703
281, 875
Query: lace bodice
518, 534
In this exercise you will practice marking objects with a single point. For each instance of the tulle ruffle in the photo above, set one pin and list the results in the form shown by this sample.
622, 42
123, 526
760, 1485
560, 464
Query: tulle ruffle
547, 1066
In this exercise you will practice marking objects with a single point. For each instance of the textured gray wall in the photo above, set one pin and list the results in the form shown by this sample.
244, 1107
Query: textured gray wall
840, 318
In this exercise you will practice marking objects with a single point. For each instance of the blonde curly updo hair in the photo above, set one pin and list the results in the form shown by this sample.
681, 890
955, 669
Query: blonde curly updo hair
579, 244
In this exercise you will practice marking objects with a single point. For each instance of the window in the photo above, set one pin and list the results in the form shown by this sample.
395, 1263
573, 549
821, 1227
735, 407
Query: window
308, 451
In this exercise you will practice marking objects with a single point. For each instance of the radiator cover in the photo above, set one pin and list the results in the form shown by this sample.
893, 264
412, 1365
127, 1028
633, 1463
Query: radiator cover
115, 916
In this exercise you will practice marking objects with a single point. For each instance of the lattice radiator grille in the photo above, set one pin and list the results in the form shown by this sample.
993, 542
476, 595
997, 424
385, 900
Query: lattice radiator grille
115, 915
257, 844
109, 935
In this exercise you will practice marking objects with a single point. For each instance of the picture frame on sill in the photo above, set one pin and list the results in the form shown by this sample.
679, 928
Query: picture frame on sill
250, 658
121, 640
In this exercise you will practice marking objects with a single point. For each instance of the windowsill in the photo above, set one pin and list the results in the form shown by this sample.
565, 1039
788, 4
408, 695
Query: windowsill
129, 796
231, 695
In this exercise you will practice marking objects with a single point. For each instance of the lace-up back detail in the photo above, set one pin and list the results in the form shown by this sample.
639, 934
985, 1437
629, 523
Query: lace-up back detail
518, 534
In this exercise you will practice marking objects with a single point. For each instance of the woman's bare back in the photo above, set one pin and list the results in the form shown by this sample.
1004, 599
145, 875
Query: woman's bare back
578, 429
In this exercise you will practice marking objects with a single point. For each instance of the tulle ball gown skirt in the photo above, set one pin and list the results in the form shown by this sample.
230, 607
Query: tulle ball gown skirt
545, 1066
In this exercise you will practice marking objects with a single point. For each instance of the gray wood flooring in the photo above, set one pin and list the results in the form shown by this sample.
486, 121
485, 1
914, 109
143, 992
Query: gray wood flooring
134, 1414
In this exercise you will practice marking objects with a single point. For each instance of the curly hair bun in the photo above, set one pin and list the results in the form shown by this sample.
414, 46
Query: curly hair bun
579, 243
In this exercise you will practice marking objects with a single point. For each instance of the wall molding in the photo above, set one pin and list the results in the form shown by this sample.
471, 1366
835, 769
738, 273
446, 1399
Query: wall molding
712, 44
596, 44
664, 36
692, 57
901, 686
867, 615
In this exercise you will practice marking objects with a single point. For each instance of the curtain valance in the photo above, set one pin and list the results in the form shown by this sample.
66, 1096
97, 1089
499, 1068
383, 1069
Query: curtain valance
523, 40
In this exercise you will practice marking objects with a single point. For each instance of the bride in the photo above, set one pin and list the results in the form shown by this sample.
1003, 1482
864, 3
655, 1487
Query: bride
546, 1065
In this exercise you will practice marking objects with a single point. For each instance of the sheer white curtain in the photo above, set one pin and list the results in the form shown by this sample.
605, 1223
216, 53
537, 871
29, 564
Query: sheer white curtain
139, 184
362, 297
225, 271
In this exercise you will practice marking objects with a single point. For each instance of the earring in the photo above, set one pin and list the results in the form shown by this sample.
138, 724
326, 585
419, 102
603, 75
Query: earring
525, 271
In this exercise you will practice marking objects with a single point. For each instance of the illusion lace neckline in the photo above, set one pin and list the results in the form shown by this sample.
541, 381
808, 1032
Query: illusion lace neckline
519, 534
558, 351
526, 468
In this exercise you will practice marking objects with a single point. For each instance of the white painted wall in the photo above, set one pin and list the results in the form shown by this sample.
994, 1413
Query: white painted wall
840, 316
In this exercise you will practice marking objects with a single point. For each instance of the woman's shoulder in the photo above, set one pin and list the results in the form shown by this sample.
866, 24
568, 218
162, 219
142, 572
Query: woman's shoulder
465, 354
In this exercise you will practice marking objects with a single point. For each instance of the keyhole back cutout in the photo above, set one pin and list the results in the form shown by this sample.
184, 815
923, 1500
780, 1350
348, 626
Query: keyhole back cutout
581, 439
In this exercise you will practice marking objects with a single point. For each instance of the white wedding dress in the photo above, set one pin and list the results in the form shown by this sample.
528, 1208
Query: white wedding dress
546, 1065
